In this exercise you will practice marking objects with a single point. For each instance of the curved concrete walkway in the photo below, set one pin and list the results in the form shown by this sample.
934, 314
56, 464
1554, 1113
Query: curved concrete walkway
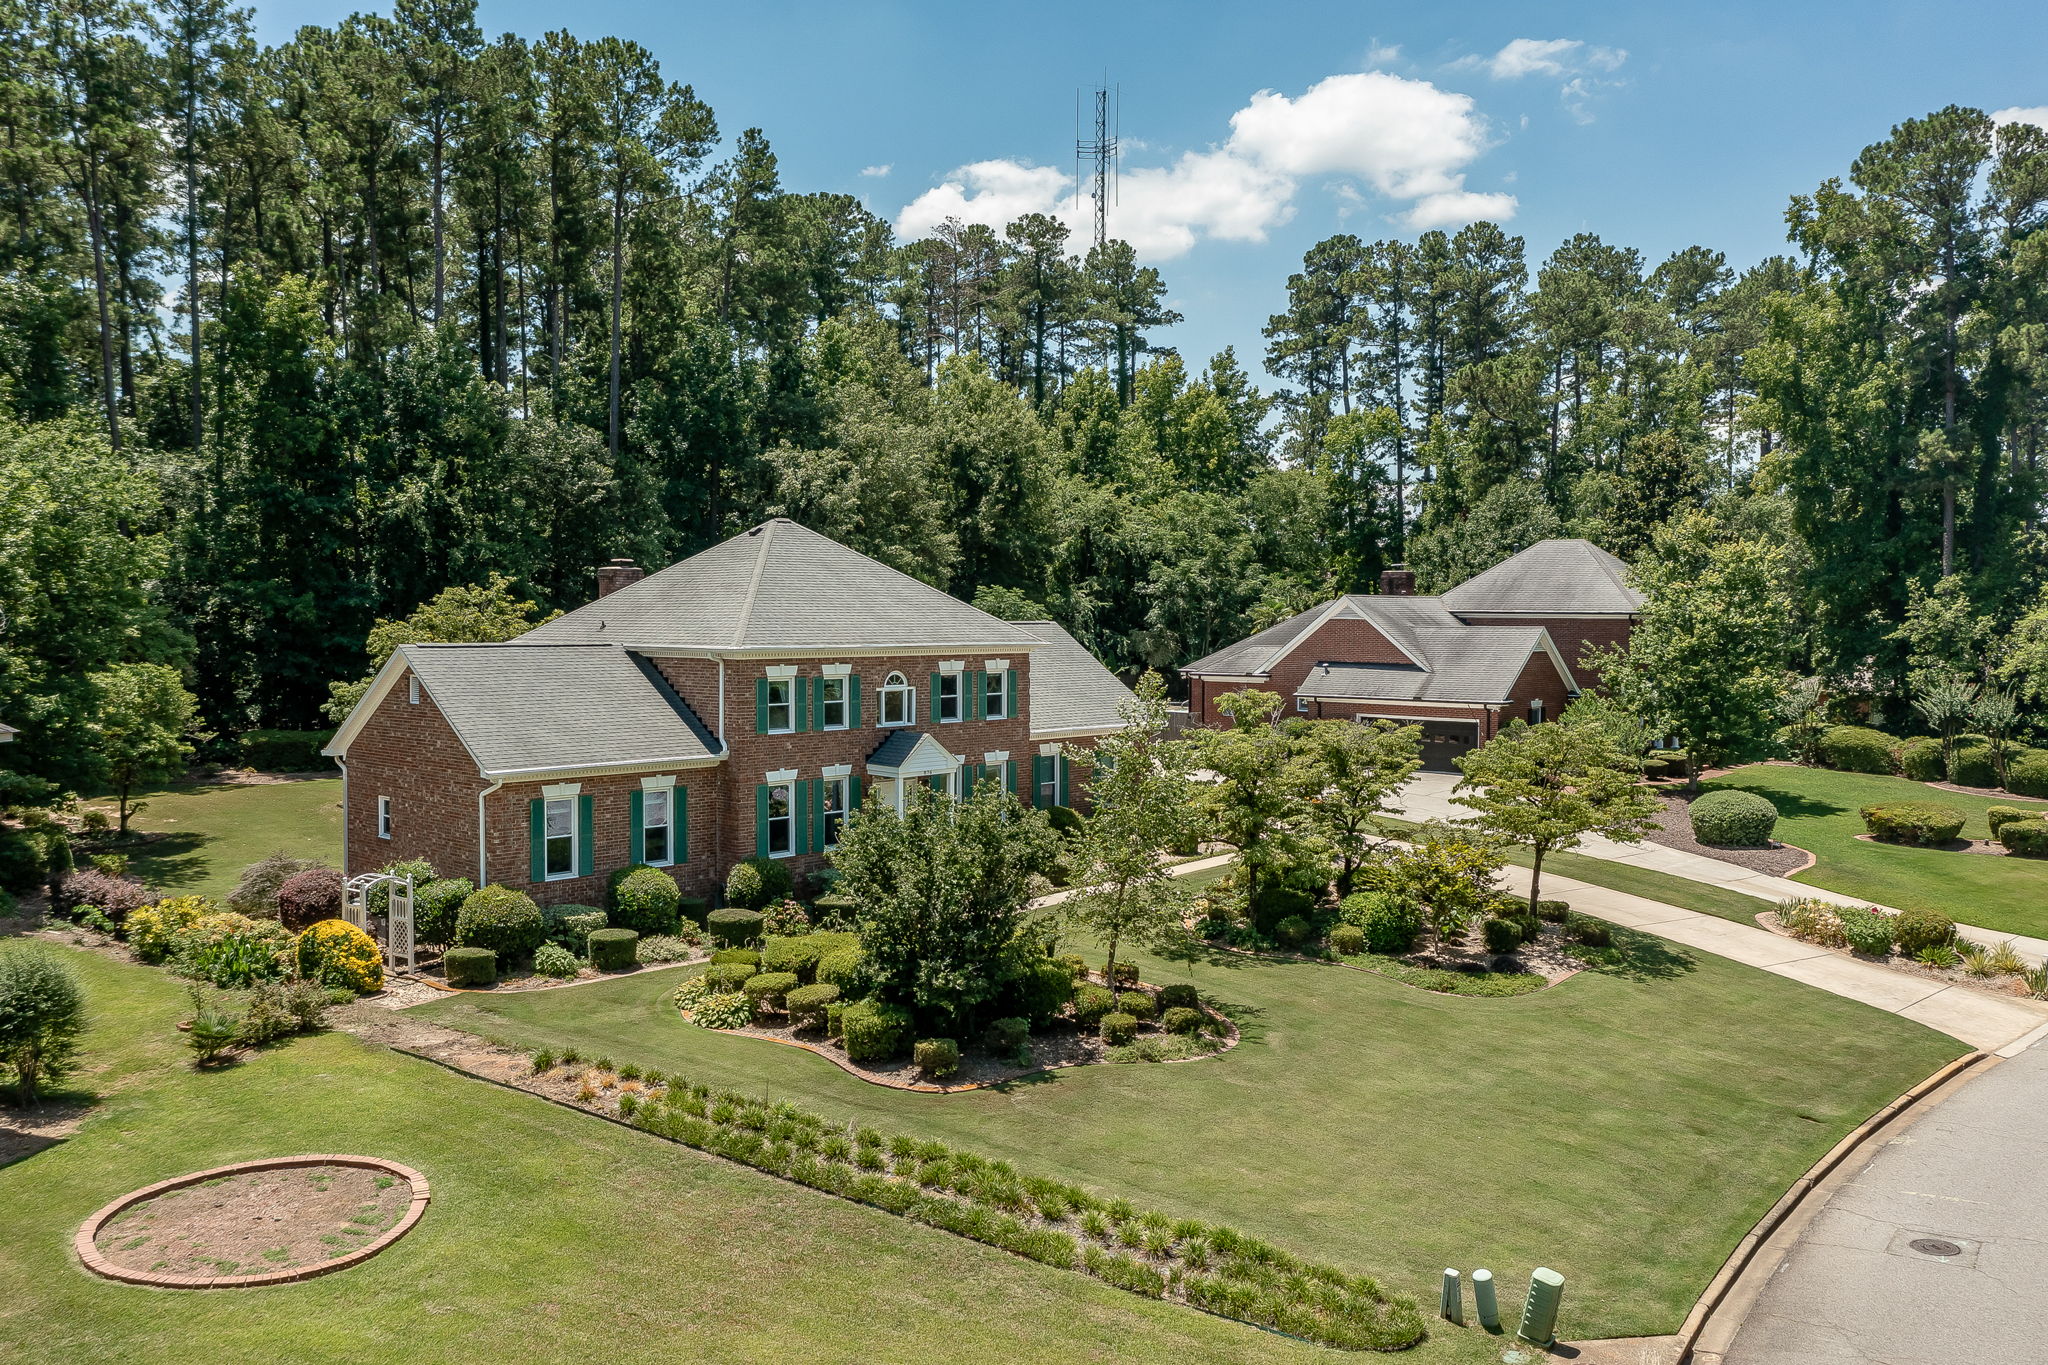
1428, 797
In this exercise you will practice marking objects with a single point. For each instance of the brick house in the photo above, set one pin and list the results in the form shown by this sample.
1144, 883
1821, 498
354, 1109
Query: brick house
736, 704
1508, 644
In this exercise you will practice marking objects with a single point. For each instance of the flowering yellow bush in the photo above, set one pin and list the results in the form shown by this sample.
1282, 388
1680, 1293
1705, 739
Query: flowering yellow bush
154, 929
336, 953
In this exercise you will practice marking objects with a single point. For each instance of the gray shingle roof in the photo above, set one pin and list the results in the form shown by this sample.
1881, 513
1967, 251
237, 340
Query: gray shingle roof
1551, 577
1464, 664
524, 707
891, 752
1255, 652
1070, 689
781, 587
1397, 618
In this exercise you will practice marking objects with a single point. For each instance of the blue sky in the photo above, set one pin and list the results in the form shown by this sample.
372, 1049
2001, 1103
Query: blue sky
1253, 131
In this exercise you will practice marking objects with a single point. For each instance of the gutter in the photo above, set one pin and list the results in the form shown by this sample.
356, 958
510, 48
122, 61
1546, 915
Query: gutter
483, 878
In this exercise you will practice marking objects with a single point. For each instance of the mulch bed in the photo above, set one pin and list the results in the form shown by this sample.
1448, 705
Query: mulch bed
2007, 986
1674, 830
256, 1222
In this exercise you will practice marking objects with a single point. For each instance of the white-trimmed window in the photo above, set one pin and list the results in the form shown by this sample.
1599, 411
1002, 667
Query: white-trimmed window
781, 705
1049, 783
1536, 712
560, 835
899, 701
412, 689
383, 817
832, 710
656, 817
781, 819
995, 695
832, 811
1301, 705
948, 701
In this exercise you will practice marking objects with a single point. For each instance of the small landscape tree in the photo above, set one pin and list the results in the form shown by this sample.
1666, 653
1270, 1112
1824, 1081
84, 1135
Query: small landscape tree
141, 718
1143, 805
1996, 715
1256, 802
1548, 786
1804, 711
42, 1012
1946, 702
1353, 769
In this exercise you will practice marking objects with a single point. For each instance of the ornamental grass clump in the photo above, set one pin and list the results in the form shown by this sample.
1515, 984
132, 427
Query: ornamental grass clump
1142, 1252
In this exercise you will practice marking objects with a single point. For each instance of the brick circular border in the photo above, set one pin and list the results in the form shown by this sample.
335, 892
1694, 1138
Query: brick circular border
85, 1243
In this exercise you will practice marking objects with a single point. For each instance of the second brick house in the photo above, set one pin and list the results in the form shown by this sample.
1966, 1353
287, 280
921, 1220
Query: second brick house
737, 704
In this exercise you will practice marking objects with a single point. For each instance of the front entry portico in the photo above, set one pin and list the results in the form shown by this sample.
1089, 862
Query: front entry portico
911, 756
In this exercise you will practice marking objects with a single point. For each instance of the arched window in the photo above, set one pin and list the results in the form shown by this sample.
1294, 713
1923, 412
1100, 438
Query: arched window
899, 701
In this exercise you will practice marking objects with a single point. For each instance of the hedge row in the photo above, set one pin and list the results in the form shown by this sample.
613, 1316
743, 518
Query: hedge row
1860, 749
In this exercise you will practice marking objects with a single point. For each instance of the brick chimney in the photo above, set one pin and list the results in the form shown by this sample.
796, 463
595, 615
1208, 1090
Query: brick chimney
1398, 581
617, 574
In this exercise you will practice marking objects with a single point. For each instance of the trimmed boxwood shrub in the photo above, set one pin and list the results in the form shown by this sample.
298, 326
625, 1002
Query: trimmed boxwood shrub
725, 957
2025, 838
1037, 988
1925, 823
645, 900
1856, 749
1998, 817
1733, 819
1971, 766
769, 989
2026, 773
1293, 931
1347, 939
798, 955
834, 1014
937, 1058
1181, 995
1091, 1003
1868, 932
613, 950
1920, 759
873, 1031
470, 966
733, 927
1138, 1005
1502, 936
726, 977
1917, 929
434, 908
501, 919
1009, 1035
841, 968
1391, 924
1118, 1028
806, 1005
755, 883
307, 897
1594, 933
1183, 1021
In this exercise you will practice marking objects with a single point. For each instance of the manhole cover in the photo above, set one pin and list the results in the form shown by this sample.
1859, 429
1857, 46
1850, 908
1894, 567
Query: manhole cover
1935, 1246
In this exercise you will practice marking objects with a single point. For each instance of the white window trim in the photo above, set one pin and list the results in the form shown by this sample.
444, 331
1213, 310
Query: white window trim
1301, 704
781, 671
668, 790
557, 790
837, 670
1537, 712
383, 817
996, 756
1050, 750
785, 778
1001, 678
412, 689
907, 690
549, 796
781, 775
768, 707
995, 665
649, 784
959, 697
843, 781
845, 702
837, 770
950, 666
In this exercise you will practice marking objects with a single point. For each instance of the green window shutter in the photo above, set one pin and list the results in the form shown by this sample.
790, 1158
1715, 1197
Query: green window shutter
818, 816
1038, 775
1066, 792
852, 795
679, 825
761, 820
1010, 692
636, 823
537, 838
586, 835
938, 783
799, 817
1010, 776
799, 711
935, 698
853, 701
817, 703
760, 706
976, 703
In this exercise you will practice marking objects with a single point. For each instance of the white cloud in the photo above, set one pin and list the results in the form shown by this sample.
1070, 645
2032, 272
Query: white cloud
2036, 115
1382, 54
877, 172
1550, 57
1406, 139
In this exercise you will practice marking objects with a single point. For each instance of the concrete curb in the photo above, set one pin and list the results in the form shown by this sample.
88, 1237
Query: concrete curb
86, 1241
1744, 1257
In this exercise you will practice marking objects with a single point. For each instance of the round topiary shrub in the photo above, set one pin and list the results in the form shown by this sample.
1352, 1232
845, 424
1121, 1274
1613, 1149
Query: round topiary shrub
1998, 817
306, 898
1733, 819
937, 1058
334, 952
1554, 912
1008, 1036
613, 950
841, 969
806, 1005
1856, 749
1181, 995
1922, 823
645, 900
435, 907
1920, 759
1091, 1003
725, 977
746, 957
1970, 765
873, 1031
1347, 939
753, 884
1293, 931
1915, 930
1118, 1028
469, 967
1391, 924
2025, 838
1867, 931
799, 954
1594, 933
731, 928
2026, 773
1183, 1021
769, 989
501, 919
550, 959
1502, 935
1138, 1005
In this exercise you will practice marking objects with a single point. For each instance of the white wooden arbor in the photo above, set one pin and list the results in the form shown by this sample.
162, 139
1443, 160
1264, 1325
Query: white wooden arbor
355, 908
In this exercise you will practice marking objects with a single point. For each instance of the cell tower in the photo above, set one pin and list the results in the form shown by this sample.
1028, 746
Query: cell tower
1100, 150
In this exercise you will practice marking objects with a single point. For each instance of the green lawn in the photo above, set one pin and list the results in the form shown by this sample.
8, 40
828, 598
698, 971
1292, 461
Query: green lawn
1626, 1127
1817, 810
212, 831
553, 1236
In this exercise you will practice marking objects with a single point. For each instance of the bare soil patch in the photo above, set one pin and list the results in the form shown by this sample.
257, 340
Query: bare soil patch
1674, 830
256, 1222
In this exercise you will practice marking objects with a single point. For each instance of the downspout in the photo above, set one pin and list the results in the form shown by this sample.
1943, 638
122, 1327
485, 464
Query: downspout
483, 877
342, 761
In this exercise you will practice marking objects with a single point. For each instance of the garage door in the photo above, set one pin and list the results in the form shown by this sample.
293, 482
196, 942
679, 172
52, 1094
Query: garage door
1442, 740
